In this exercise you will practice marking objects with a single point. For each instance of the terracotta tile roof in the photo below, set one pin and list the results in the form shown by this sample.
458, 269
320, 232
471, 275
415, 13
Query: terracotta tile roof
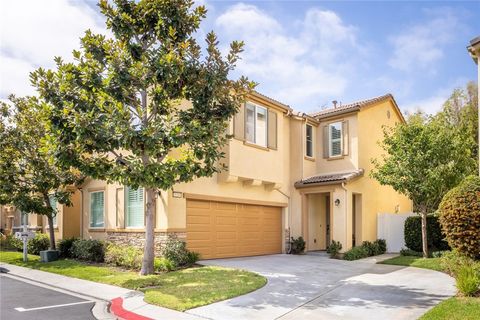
353, 106
330, 178
286, 106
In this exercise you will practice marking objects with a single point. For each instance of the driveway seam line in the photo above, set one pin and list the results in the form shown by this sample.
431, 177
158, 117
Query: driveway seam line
307, 302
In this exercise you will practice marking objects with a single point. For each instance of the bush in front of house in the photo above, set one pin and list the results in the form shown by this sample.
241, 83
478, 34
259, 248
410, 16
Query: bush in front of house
41, 242
10, 242
88, 250
65, 247
123, 256
413, 234
297, 246
367, 249
460, 217
356, 253
176, 251
468, 280
164, 265
334, 248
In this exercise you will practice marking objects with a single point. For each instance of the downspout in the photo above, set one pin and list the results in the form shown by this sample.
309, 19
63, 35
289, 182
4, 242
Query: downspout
289, 216
346, 211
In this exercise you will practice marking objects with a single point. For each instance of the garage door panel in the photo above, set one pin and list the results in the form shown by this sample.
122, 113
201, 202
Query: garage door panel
220, 230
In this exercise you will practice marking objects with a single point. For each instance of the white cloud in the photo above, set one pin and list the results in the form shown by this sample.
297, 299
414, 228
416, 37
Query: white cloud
32, 32
421, 46
296, 66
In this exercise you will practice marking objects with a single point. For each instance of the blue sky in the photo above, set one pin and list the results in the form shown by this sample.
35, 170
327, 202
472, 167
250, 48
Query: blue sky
303, 53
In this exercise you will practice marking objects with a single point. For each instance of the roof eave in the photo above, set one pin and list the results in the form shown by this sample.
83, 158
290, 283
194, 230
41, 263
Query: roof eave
338, 113
300, 185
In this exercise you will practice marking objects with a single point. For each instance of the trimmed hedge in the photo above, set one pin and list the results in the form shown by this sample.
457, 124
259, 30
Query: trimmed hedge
460, 217
65, 247
413, 234
41, 242
367, 249
88, 250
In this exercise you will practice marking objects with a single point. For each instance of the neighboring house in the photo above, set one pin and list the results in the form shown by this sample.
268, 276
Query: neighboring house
66, 223
288, 174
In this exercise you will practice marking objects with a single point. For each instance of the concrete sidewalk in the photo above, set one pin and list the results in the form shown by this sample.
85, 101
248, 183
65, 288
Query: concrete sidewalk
125, 304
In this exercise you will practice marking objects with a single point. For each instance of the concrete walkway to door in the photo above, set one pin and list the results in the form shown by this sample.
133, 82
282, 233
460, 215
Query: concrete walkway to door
316, 287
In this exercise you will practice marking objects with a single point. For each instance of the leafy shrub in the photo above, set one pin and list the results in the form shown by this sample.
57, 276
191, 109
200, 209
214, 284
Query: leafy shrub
468, 280
460, 217
334, 248
452, 261
369, 247
65, 247
123, 256
297, 246
438, 254
380, 246
11, 243
408, 252
413, 234
41, 242
176, 251
164, 265
356, 253
89, 250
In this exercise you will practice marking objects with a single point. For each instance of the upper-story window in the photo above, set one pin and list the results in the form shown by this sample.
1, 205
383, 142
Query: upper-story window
309, 141
335, 133
256, 124
335, 140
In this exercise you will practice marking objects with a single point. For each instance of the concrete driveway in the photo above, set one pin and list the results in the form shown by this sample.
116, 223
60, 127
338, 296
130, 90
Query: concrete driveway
316, 287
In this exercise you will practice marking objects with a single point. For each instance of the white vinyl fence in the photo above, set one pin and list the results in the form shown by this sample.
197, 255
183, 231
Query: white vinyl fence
390, 227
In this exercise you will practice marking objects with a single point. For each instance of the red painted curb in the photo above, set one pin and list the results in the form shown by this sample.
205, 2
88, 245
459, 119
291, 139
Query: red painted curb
117, 309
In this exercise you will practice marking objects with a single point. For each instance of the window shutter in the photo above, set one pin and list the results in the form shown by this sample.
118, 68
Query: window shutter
345, 138
272, 129
239, 123
134, 205
326, 140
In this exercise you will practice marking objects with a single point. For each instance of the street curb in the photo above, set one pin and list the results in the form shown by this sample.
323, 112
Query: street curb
116, 308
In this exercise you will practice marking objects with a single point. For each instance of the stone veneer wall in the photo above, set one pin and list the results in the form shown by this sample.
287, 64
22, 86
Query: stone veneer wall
137, 239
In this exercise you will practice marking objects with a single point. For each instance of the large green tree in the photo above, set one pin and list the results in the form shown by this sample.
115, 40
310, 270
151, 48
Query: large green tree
460, 114
423, 160
118, 111
29, 174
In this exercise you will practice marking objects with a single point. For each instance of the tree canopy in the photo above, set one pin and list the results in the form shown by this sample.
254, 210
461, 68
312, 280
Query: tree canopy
424, 159
148, 108
28, 171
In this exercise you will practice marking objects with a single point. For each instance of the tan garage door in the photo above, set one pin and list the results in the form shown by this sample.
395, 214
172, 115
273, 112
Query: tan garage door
221, 229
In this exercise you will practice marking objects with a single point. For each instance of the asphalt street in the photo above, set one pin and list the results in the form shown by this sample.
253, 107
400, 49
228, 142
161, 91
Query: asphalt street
24, 301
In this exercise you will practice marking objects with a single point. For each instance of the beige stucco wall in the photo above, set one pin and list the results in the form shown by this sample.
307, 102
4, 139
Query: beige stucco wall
375, 198
267, 176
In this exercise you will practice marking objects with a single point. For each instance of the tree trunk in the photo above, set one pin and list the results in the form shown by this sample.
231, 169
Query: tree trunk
424, 235
52, 232
50, 222
149, 250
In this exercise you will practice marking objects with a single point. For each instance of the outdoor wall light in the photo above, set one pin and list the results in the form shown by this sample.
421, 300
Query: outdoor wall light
337, 202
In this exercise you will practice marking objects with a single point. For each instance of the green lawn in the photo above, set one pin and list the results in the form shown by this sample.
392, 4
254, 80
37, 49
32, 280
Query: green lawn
179, 290
456, 308
419, 262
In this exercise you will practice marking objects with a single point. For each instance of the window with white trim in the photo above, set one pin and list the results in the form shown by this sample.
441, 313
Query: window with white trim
53, 204
97, 209
309, 141
256, 124
335, 141
134, 208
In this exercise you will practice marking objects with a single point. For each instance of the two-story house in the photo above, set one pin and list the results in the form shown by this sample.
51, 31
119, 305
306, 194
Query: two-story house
288, 174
